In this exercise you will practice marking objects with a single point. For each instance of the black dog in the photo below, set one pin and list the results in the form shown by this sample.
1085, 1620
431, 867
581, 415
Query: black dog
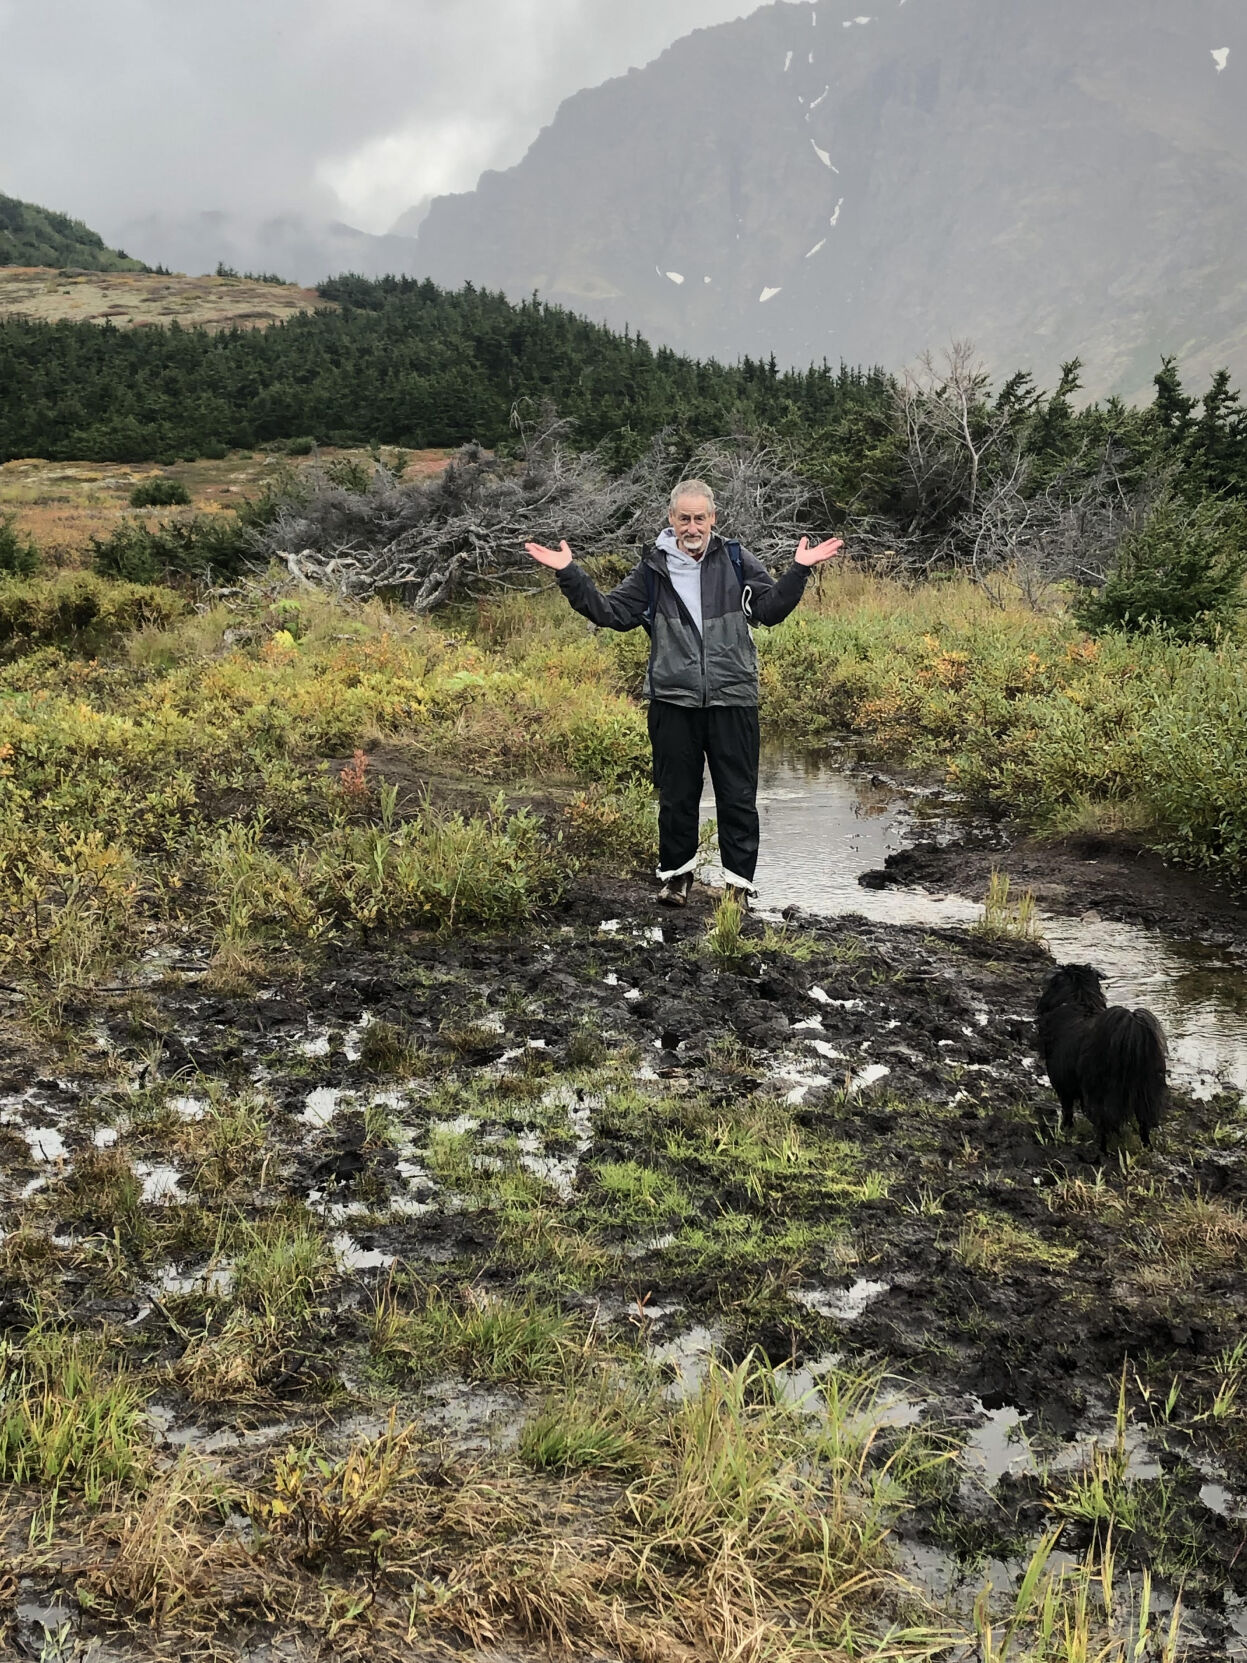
1108, 1058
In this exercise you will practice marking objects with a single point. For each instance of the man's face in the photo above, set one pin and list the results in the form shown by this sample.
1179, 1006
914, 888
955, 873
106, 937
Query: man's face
692, 519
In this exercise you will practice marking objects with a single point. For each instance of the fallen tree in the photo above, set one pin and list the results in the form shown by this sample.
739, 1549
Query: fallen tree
462, 534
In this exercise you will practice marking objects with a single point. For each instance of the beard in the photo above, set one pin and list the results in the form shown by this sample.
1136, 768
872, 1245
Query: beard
693, 542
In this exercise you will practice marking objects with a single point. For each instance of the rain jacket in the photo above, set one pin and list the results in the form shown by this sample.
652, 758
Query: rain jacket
719, 664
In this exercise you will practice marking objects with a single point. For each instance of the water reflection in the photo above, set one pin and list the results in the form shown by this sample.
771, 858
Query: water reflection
821, 828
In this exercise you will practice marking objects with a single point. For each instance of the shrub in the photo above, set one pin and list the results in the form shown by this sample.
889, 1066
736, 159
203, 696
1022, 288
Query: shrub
349, 473
18, 555
209, 546
74, 609
66, 905
435, 871
159, 492
1181, 571
615, 827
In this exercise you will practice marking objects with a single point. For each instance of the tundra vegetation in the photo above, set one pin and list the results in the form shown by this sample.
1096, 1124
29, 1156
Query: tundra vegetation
404, 1247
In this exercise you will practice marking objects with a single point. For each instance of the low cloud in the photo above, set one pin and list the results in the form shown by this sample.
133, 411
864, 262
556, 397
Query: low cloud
259, 106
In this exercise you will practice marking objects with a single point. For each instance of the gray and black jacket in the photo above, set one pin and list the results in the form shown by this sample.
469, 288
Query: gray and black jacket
718, 666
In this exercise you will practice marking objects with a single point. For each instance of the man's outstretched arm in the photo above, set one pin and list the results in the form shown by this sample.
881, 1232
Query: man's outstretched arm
623, 608
770, 601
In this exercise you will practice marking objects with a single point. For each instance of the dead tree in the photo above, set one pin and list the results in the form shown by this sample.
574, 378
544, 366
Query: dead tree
462, 534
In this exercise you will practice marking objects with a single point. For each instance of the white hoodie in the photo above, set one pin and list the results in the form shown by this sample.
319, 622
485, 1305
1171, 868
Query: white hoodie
685, 574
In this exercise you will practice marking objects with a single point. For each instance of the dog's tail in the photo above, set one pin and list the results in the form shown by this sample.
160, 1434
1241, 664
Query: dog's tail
1130, 1062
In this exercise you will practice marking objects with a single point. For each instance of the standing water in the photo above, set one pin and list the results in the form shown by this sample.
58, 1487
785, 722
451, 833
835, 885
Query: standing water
821, 829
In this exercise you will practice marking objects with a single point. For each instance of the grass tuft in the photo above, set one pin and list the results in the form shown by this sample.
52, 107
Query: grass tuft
70, 1419
1005, 918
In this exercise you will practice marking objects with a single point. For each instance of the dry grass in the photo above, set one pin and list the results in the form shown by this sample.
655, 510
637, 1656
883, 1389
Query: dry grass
1201, 1225
164, 1557
139, 299
62, 505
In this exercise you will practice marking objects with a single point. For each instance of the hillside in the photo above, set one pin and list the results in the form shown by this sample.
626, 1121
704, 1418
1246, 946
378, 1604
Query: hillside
138, 299
1045, 180
400, 361
31, 236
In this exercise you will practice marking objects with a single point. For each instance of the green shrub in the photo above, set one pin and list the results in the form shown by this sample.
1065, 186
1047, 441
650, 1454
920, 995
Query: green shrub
18, 555
209, 546
435, 871
159, 492
1193, 767
349, 473
617, 828
74, 609
1181, 572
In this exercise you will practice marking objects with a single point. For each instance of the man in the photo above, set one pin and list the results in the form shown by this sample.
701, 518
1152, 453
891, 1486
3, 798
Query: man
702, 680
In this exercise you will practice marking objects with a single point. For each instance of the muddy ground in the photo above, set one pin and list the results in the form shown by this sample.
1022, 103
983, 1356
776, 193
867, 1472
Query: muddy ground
837, 1145
1114, 876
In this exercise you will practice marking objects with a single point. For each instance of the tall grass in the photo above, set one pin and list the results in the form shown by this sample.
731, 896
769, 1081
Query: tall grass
70, 1421
1026, 711
1006, 916
121, 783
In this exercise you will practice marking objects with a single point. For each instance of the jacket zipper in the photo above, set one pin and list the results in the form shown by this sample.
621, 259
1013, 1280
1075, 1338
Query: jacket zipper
687, 617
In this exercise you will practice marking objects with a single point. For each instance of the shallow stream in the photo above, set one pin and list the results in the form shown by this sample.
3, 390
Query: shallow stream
822, 828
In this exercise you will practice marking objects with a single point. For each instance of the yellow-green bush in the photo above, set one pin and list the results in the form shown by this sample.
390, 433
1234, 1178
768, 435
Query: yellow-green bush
230, 716
78, 609
431, 871
1026, 711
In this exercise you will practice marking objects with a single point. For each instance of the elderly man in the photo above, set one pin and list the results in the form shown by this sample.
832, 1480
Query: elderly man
697, 595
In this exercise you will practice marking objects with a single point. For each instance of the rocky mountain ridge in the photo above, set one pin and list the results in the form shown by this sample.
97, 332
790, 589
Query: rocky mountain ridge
1047, 180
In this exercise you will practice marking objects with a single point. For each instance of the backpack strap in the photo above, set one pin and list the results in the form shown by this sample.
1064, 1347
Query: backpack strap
746, 591
738, 565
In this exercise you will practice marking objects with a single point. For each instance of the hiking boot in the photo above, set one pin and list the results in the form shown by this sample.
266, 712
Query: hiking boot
738, 893
675, 892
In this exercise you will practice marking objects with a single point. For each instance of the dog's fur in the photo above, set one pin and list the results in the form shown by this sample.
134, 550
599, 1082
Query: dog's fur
1109, 1059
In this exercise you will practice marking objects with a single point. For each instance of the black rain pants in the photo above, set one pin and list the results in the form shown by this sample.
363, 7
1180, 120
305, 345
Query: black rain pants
683, 741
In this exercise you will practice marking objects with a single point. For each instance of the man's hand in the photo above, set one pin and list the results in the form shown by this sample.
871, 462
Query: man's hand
556, 559
805, 555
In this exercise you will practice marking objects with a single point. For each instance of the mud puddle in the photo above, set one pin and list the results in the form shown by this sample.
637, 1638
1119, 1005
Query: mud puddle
832, 1152
822, 828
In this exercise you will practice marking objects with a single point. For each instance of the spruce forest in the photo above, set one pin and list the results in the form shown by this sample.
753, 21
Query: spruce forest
404, 362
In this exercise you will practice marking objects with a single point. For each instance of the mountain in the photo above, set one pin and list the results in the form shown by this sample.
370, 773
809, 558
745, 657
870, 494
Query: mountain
1045, 179
411, 219
293, 246
31, 236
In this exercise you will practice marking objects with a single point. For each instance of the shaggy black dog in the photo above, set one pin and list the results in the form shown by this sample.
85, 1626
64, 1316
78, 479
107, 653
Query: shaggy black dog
1108, 1058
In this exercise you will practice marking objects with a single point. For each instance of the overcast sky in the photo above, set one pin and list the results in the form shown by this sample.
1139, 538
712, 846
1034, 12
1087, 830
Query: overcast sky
354, 109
